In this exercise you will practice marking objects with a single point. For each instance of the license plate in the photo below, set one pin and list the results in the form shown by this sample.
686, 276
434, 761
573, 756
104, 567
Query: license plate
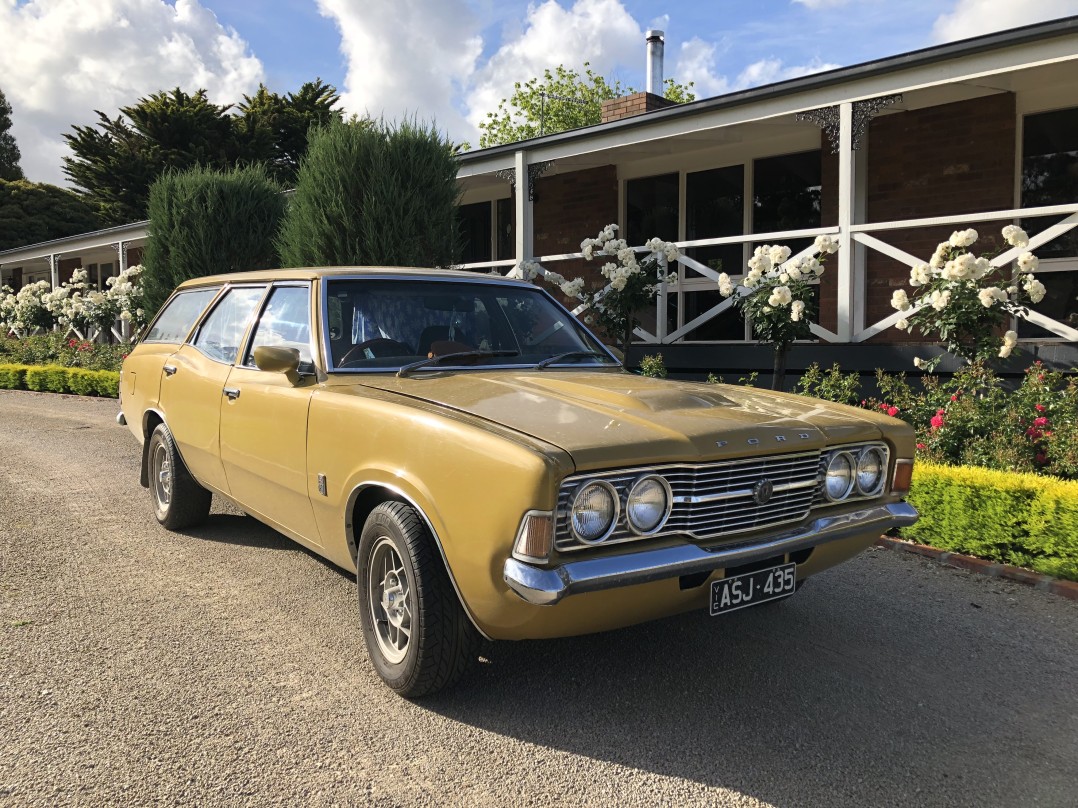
730, 594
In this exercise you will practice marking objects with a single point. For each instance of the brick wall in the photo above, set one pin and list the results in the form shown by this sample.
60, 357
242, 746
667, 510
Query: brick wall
571, 207
636, 104
939, 161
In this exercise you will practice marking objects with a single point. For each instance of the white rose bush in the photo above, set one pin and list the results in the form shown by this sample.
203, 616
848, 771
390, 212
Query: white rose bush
776, 294
964, 302
74, 304
632, 281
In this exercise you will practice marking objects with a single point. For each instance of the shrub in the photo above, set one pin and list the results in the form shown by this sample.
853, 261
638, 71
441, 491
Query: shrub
55, 349
370, 193
834, 385
1018, 519
12, 377
55, 379
47, 379
207, 222
653, 366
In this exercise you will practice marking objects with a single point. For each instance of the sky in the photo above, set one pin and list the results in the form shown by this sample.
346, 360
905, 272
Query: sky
450, 61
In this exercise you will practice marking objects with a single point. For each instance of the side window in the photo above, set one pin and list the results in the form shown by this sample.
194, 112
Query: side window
174, 323
286, 323
220, 335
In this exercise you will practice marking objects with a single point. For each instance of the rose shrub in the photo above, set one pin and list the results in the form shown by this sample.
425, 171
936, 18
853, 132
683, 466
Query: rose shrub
965, 302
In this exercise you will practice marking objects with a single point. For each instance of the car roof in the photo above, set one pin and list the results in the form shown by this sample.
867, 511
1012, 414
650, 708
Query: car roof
311, 273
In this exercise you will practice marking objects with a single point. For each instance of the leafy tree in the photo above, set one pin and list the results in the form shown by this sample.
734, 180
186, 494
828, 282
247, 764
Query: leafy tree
274, 128
33, 212
116, 160
115, 163
9, 149
205, 222
372, 193
561, 100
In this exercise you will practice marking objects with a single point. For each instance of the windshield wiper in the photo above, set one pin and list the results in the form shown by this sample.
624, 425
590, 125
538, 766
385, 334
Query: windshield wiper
434, 360
569, 355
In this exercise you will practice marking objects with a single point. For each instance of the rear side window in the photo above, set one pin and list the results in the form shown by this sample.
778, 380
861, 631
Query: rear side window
221, 332
177, 319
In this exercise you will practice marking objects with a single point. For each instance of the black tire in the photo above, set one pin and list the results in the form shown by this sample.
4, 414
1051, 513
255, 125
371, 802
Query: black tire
419, 639
178, 501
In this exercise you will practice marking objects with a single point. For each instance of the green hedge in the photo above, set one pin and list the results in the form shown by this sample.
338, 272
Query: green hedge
58, 379
1022, 519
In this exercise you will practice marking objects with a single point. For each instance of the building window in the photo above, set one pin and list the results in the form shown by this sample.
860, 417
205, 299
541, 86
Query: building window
1050, 177
786, 194
714, 207
475, 232
651, 209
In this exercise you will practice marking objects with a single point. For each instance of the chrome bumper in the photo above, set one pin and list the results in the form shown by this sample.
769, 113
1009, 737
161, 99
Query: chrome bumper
546, 586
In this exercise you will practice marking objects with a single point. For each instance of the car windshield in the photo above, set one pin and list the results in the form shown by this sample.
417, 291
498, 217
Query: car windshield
389, 324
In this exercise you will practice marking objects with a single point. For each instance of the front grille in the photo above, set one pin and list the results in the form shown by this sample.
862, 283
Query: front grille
715, 499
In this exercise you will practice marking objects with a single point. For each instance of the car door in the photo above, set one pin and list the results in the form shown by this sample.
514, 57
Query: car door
193, 384
264, 420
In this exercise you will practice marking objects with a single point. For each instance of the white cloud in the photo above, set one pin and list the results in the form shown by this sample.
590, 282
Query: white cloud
971, 18
62, 59
406, 57
696, 63
600, 32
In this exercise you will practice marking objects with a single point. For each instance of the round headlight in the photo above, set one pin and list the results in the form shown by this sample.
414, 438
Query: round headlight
648, 504
870, 468
839, 480
594, 511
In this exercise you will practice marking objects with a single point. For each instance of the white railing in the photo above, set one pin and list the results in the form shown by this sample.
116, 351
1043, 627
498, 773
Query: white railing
860, 234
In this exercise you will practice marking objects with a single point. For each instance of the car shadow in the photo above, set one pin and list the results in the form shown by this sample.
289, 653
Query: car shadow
838, 696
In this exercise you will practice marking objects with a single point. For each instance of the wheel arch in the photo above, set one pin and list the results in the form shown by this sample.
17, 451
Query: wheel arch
365, 497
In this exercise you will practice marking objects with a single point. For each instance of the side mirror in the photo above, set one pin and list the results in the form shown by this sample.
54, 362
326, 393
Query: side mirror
274, 359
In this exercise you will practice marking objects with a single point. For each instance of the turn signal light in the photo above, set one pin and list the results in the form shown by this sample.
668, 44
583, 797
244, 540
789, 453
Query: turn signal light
535, 539
903, 476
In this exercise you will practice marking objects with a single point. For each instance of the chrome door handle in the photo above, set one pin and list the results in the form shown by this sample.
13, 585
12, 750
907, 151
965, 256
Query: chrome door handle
232, 392
169, 369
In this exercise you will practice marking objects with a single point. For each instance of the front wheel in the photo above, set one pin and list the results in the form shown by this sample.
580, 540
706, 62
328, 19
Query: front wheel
178, 501
419, 639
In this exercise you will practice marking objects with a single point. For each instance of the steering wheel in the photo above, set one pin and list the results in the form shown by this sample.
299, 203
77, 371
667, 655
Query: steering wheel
378, 347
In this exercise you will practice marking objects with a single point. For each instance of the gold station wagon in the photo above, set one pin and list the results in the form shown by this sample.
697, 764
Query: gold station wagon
485, 465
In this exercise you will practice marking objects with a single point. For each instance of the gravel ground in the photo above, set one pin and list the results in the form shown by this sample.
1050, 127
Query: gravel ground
224, 667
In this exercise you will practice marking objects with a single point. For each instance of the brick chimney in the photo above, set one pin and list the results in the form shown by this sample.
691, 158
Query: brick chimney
648, 101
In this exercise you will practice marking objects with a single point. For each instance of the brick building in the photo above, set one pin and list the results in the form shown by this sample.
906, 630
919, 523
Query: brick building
889, 157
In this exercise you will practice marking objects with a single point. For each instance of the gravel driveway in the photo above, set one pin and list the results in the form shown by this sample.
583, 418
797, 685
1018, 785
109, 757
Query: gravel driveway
224, 667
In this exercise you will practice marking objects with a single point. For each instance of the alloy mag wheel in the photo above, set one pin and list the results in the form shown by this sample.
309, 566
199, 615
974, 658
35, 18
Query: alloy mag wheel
389, 600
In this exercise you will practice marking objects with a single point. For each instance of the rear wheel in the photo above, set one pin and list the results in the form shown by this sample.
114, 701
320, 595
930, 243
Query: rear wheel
417, 634
178, 501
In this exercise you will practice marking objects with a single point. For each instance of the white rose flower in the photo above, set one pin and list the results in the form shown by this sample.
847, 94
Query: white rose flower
1012, 290
797, 308
825, 244
726, 285
618, 283
963, 238
767, 309
981, 267
1028, 262
1036, 291
753, 279
1005, 351
1015, 236
784, 277
760, 263
554, 278
780, 296
125, 315
1010, 338
900, 300
918, 362
989, 296
626, 254
920, 275
902, 324
572, 288
778, 253
940, 300
794, 273
587, 251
